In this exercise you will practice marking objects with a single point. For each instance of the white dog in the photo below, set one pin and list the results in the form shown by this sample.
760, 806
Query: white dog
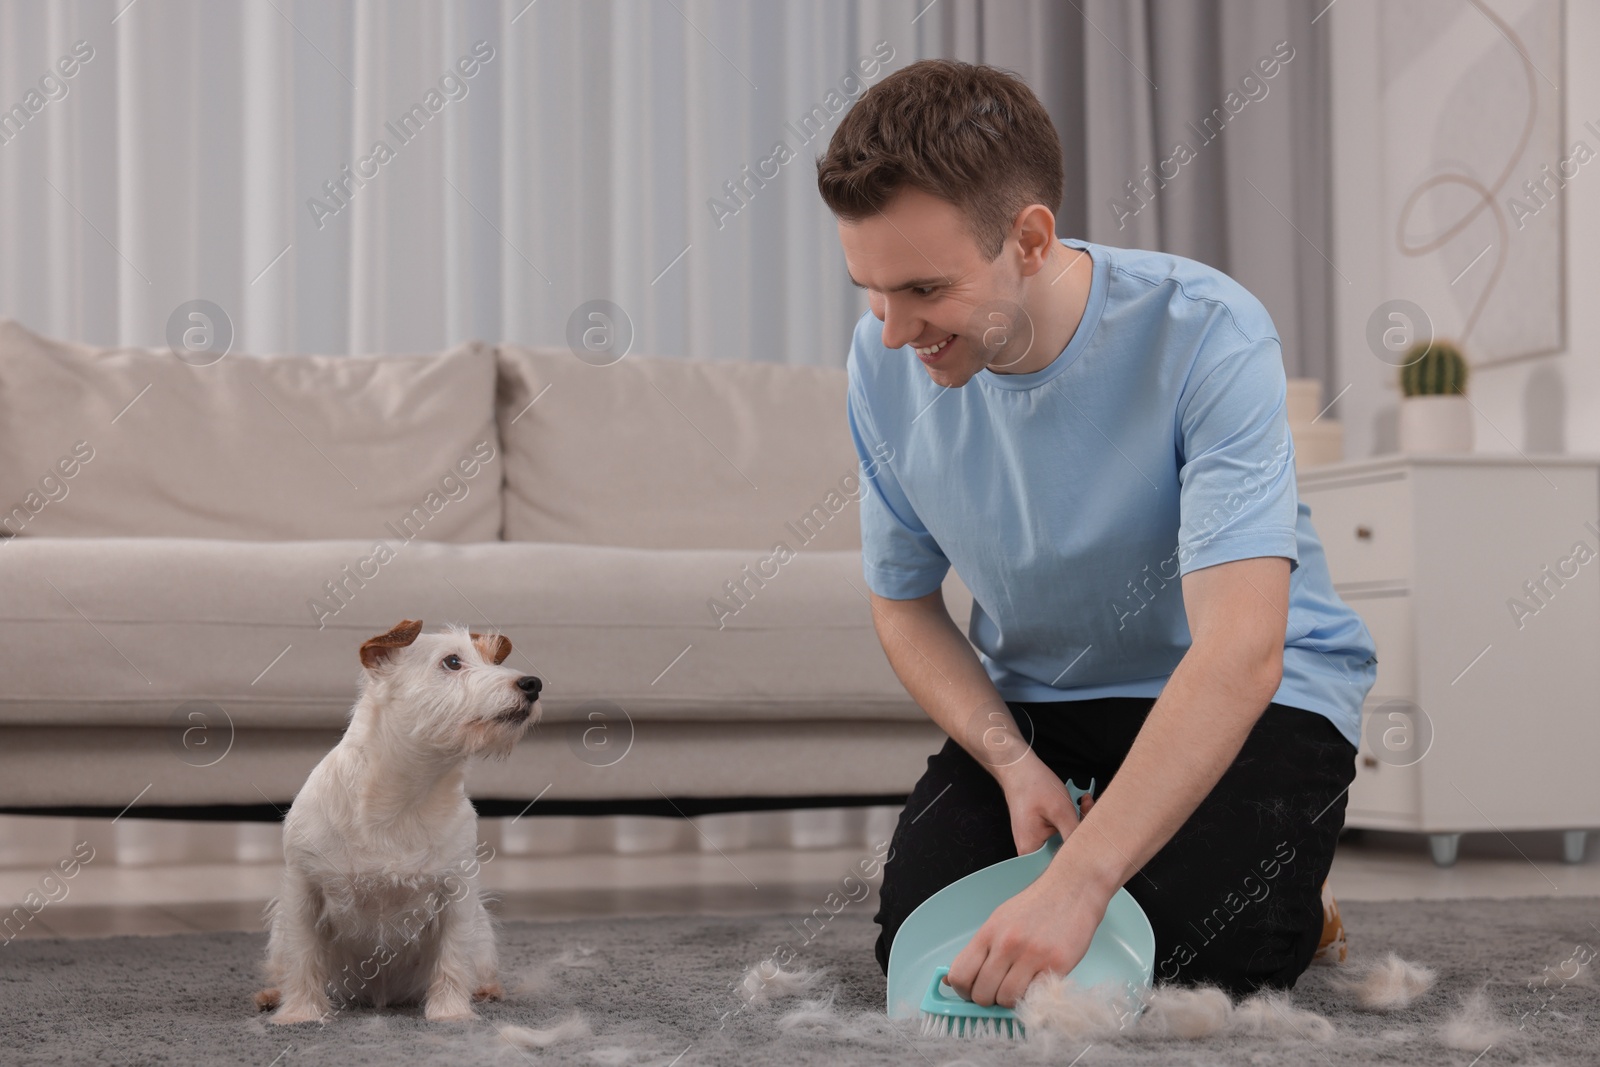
380, 900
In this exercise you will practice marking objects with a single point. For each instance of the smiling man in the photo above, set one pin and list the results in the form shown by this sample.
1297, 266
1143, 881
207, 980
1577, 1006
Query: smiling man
1095, 439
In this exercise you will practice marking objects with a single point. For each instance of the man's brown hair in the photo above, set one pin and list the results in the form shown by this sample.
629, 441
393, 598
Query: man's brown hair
972, 135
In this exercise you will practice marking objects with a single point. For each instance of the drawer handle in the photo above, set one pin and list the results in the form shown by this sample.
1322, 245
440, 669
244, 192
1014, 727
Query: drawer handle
1368, 762
1364, 533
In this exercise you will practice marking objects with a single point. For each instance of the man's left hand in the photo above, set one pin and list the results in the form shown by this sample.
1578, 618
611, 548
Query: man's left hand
1045, 929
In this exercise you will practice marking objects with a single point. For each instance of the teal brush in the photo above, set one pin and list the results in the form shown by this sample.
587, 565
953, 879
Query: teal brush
945, 1013
1123, 949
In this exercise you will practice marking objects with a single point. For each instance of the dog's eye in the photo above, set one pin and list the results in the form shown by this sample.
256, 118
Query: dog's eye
451, 662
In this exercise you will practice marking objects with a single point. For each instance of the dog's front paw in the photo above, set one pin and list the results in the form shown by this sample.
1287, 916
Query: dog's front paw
489, 991
294, 1006
452, 1014
448, 1003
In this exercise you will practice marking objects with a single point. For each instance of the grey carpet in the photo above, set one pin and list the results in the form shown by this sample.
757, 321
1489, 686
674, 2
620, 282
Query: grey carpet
657, 988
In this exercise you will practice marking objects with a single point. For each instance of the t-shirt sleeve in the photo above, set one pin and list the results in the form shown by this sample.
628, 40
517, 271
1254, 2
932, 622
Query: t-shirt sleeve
900, 559
1238, 497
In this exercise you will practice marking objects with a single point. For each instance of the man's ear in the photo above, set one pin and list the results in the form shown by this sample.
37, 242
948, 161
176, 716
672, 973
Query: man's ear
1034, 229
494, 649
376, 649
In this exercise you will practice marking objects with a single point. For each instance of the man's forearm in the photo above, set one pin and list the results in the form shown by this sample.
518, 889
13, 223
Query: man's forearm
1190, 738
938, 667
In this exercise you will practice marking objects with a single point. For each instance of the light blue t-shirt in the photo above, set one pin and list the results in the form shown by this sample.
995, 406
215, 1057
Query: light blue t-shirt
1071, 500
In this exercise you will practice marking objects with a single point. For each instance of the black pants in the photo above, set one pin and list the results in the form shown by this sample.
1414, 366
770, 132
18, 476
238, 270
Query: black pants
1234, 897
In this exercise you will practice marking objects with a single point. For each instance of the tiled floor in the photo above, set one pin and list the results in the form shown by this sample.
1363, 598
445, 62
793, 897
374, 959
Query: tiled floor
105, 900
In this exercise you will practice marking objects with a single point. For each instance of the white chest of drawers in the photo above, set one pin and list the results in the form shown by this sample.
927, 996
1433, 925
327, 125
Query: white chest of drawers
1479, 578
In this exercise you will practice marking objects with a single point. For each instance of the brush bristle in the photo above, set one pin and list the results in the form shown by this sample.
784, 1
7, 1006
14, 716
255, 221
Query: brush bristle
966, 1026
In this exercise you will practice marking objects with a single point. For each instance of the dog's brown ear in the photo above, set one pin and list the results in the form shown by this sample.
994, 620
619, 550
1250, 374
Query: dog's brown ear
375, 649
494, 649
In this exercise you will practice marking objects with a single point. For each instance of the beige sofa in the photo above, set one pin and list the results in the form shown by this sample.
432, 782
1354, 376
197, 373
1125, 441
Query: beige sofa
195, 554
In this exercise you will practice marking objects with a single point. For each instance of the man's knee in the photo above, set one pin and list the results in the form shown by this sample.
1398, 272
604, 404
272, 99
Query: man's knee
881, 950
1246, 959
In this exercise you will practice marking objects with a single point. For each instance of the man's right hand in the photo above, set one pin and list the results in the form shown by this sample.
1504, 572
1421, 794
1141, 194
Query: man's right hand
1039, 804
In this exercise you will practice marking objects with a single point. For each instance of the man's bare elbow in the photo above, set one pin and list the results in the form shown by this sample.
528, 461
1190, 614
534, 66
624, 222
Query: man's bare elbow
1252, 671
1271, 675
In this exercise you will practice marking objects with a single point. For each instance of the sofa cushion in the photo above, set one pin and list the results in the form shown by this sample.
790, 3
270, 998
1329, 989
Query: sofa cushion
676, 453
125, 631
98, 442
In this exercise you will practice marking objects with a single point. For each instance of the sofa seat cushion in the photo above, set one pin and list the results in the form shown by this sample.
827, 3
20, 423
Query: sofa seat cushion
126, 631
126, 442
676, 453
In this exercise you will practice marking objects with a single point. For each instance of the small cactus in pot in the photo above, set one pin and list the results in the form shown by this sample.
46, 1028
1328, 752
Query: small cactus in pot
1434, 369
1435, 414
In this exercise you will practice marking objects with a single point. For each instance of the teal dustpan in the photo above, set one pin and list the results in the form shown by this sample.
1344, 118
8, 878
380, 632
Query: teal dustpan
1123, 949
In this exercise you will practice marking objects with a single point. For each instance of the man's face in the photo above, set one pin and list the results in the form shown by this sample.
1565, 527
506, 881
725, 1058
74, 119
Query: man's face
928, 282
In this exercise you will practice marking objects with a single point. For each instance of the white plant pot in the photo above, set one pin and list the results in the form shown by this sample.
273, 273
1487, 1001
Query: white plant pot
1435, 424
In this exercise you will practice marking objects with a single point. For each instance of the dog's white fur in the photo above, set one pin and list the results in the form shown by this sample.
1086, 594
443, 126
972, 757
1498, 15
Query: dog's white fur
380, 900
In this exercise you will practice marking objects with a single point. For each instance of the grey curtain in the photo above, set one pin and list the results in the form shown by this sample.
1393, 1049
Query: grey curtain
1128, 81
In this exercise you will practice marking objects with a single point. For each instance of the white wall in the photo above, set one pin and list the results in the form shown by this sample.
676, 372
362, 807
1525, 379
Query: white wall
1549, 404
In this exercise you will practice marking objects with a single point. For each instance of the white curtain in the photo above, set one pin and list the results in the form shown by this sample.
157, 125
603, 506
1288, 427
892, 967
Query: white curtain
182, 161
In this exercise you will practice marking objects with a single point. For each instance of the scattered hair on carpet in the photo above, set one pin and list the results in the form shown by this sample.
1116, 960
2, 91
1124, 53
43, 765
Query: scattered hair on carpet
1388, 984
534, 981
1175, 1011
571, 1028
1269, 1013
813, 1016
1474, 1026
766, 982
578, 956
1055, 1007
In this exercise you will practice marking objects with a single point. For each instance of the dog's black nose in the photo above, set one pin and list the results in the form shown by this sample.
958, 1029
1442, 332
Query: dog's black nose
530, 685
